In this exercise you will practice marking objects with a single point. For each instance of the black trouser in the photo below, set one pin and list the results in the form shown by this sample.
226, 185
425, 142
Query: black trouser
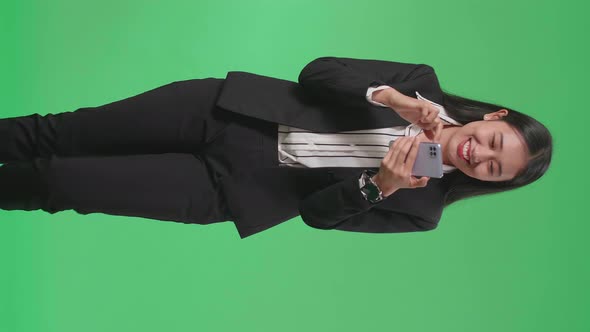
140, 156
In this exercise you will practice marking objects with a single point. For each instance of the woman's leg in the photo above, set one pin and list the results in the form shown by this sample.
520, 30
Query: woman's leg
177, 117
170, 186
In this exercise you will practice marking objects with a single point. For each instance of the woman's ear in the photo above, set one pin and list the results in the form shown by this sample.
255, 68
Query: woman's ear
496, 115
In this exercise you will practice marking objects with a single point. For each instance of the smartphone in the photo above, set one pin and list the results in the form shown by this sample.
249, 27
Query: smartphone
428, 161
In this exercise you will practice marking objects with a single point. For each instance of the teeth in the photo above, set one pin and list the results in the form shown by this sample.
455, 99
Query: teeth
465, 149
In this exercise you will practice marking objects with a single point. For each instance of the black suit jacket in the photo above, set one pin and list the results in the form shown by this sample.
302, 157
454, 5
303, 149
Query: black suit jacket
330, 96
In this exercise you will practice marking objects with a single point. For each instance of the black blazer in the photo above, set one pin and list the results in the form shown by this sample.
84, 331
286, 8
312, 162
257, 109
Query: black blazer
330, 97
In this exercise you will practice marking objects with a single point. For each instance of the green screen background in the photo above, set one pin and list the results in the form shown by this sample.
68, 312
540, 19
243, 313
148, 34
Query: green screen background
517, 261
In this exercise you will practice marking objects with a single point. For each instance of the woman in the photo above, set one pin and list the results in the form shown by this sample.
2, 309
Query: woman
210, 150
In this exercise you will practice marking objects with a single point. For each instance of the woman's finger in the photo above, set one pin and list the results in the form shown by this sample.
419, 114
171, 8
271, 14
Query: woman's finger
395, 151
438, 131
399, 156
432, 115
435, 132
411, 156
421, 182
392, 148
424, 110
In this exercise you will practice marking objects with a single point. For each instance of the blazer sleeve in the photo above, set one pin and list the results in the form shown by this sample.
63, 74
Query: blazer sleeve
345, 80
342, 207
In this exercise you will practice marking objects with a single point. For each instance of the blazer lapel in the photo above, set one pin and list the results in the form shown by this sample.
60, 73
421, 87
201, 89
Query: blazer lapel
285, 102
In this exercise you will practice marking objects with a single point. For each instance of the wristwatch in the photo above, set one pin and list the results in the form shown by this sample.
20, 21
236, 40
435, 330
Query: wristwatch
369, 188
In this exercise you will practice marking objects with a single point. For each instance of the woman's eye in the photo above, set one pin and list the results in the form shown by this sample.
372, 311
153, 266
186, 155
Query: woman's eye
493, 141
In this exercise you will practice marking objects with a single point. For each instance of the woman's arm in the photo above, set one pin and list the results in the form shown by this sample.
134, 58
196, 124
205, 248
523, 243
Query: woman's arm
342, 207
386, 96
346, 80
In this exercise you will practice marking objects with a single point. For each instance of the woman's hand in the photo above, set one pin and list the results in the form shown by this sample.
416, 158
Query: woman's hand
396, 167
416, 111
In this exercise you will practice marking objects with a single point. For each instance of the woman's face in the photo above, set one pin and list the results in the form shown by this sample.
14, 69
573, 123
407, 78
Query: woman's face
488, 150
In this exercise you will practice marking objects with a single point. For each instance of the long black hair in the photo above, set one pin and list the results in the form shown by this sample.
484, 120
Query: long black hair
536, 136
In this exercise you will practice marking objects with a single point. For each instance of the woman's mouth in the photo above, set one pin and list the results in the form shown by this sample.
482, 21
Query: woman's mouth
464, 150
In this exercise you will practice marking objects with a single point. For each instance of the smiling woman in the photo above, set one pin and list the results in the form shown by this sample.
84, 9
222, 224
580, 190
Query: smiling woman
208, 150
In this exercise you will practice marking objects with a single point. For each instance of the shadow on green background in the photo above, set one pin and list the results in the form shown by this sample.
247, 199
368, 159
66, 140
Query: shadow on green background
516, 261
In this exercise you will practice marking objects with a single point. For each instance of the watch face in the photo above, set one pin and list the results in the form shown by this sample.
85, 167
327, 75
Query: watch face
372, 191
374, 196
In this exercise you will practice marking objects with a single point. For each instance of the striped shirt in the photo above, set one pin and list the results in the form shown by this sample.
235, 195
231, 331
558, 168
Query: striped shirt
303, 148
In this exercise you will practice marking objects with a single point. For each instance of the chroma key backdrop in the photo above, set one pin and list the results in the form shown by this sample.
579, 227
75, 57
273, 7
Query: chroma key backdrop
513, 261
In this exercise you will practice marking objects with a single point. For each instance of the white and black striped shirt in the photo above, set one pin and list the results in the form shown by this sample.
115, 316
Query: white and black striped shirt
356, 148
